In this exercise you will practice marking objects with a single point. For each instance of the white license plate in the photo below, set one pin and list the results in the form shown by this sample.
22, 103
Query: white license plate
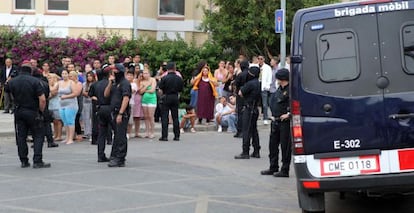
350, 165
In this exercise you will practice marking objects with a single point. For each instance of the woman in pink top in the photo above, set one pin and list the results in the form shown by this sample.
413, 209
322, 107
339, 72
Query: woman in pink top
220, 74
137, 112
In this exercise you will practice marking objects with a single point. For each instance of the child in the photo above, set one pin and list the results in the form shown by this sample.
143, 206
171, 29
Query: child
188, 119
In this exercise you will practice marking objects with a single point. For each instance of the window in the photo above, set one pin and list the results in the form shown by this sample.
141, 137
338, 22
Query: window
408, 48
24, 4
171, 7
337, 56
58, 5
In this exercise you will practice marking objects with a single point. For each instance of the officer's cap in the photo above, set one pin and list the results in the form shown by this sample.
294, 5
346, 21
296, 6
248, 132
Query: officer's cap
26, 68
282, 74
254, 71
120, 67
170, 65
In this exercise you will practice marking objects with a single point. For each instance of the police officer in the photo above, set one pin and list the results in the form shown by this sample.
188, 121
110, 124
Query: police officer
239, 82
47, 115
280, 128
119, 90
170, 86
251, 94
103, 112
30, 103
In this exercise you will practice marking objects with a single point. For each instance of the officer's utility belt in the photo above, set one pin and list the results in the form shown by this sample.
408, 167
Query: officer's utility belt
250, 105
102, 105
17, 107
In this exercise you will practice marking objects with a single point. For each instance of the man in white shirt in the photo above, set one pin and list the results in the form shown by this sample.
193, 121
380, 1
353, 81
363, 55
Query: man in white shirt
266, 80
225, 114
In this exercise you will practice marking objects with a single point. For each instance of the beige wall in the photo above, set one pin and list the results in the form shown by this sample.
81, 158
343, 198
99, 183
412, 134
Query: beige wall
148, 9
6, 7
197, 38
84, 32
148, 33
101, 7
87, 15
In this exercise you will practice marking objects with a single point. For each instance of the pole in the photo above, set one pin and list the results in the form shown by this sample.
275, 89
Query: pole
135, 20
283, 36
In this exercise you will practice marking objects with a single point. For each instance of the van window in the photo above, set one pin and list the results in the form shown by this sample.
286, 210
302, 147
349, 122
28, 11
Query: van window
337, 56
408, 42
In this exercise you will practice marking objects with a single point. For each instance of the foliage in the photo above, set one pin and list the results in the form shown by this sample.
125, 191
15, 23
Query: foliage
247, 26
21, 46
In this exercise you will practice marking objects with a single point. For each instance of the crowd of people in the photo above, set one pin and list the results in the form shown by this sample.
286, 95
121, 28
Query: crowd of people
106, 103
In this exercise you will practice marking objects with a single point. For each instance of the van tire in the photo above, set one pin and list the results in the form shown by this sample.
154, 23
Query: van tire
310, 202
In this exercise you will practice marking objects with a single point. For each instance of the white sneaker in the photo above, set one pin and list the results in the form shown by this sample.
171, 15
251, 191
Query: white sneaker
193, 130
182, 131
219, 129
266, 122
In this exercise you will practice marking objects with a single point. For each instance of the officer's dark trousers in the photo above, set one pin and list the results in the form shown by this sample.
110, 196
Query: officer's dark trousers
170, 104
239, 108
26, 120
250, 115
120, 143
95, 123
48, 132
280, 134
104, 119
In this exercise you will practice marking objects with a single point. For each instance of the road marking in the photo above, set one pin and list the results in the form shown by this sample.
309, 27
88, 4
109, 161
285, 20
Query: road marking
202, 204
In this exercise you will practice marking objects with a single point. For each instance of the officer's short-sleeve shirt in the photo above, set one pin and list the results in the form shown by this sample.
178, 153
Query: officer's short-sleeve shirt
251, 91
279, 101
171, 84
118, 92
98, 90
26, 90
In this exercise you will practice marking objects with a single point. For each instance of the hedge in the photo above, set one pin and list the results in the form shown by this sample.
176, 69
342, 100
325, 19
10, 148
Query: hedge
20, 46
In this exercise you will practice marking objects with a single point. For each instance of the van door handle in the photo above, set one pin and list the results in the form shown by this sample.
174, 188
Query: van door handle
401, 116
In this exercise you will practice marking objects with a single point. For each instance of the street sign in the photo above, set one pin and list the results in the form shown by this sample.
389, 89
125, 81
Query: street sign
279, 21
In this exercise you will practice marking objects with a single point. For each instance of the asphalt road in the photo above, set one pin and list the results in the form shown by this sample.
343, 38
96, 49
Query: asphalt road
197, 174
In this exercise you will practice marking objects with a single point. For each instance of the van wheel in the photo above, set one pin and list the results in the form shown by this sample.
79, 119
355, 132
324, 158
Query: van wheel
310, 202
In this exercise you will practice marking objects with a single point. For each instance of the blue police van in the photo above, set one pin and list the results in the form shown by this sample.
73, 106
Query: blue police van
352, 99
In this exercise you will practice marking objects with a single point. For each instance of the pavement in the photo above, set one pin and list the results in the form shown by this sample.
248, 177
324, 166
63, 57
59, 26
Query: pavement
7, 126
197, 174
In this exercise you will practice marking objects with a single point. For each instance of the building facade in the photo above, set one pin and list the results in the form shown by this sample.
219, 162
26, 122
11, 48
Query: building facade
61, 18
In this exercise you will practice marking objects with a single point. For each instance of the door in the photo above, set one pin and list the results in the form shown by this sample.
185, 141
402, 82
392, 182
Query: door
342, 85
396, 35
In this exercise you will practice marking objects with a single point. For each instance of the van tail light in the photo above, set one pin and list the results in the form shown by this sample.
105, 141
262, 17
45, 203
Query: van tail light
297, 128
311, 184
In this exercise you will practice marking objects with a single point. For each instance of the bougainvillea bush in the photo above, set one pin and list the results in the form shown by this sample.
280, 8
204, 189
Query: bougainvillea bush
33, 44
21, 46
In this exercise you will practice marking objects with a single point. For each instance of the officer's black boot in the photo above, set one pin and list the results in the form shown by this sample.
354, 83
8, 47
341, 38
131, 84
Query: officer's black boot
255, 154
243, 155
52, 144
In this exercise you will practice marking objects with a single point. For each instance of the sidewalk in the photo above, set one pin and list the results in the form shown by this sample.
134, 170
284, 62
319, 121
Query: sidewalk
7, 126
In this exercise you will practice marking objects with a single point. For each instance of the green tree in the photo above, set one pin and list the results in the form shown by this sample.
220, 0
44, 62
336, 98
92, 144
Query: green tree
247, 26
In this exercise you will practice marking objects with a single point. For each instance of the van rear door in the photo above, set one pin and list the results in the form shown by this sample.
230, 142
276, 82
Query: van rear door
353, 80
396, 35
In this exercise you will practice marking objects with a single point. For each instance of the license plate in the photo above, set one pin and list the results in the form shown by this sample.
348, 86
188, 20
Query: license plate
350, 165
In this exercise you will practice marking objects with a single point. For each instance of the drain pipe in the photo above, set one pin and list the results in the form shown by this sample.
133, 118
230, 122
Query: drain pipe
135, 20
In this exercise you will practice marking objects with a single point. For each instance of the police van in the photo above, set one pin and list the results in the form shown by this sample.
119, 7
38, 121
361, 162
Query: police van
352, 99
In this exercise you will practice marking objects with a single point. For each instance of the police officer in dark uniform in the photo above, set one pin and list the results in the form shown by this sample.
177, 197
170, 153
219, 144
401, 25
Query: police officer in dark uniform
119, 89
239, 82
47, 115
251, 94
170, 86
30, 103
103, 111
280, 128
